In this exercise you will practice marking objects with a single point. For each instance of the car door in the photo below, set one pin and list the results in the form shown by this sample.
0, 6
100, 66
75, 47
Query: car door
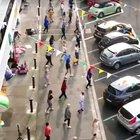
133, 92
134, 55
124, 56
108, 9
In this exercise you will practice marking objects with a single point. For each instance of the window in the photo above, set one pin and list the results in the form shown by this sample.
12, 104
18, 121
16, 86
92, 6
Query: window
114, 91
138, 115
134, 88
126, 114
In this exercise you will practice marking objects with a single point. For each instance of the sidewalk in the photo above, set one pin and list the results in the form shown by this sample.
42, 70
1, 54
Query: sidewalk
19, 93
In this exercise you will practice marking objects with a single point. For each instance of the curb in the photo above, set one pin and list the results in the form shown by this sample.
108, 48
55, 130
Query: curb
93, 101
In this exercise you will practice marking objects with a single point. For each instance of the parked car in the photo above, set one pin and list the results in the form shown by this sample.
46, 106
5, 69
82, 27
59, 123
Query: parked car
93, 2
105, 8
116, 37
122, 91
109, 26
129, 116
120, 54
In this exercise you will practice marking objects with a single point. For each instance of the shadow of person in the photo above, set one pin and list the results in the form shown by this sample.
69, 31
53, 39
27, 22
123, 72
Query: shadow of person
78, 126
60, 70
65, 133
59, 113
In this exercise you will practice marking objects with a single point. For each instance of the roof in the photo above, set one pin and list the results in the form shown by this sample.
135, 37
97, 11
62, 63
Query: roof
108, 24
118, 47
3, 9
133, 107
114, 34
125, 82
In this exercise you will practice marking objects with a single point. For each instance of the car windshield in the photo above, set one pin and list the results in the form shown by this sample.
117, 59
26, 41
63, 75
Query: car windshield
114, 91
126, 114
101, 5
101, 29
106, 40
107, 53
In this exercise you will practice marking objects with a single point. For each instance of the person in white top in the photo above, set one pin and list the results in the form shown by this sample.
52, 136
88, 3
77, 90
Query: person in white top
81, 102
95, 126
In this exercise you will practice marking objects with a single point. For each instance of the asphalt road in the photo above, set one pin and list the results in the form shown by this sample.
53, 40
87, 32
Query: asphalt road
130, 15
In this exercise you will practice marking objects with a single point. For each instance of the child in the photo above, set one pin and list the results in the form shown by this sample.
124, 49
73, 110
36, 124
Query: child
81, 103
49, 102
64, 48
50, 14
76, 59
46, 75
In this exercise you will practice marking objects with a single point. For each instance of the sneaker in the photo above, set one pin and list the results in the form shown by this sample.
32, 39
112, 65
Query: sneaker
51, 109
45, 85
64, 123
47, 112
71, 75
69, 127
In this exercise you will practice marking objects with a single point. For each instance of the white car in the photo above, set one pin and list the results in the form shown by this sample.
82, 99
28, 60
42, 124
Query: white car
129, 116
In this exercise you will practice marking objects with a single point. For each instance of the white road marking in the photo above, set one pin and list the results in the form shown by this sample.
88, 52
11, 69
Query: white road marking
100, 98
130, 138
95, 50
115, 74
89, 38
109, 118
97, 63
103, 19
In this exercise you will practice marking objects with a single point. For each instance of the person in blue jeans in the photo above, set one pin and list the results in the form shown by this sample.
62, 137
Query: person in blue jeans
46, 24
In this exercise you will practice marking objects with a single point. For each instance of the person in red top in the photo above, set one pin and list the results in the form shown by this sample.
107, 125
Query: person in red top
63, 88
47, 131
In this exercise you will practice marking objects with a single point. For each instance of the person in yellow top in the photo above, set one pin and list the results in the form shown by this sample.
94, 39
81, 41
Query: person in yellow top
50, 14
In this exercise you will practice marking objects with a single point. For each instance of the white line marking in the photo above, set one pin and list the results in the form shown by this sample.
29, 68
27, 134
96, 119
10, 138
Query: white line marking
95, 50
109, 118
103, 19
89, 38
131, 137
100, 98
115, 74
97, 63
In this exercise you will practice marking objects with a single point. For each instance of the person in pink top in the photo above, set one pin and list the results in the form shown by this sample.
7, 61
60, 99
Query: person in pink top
47, 131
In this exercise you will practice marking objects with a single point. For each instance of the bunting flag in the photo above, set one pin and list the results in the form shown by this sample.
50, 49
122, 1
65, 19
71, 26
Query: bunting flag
82, 14
108, 75
58, 52
101, 71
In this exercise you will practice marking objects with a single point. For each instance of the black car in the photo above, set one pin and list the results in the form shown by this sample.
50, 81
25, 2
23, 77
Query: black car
122, 91
109, 26
116, 37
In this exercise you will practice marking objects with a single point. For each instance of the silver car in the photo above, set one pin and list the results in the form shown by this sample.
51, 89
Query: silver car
129, 116
120, 54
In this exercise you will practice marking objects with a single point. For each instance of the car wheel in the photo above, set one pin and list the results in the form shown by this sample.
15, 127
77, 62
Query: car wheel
137, 131
101, 15
117, 65
118, 10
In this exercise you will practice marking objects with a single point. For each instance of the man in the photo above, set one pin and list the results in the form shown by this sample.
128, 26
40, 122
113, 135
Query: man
67, 116
63, 29
63, 88
89, 75
47, 131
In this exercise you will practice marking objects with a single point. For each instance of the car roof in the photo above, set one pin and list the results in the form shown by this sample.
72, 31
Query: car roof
108, 24
118, 47
114, 34
133, 107
125, 82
